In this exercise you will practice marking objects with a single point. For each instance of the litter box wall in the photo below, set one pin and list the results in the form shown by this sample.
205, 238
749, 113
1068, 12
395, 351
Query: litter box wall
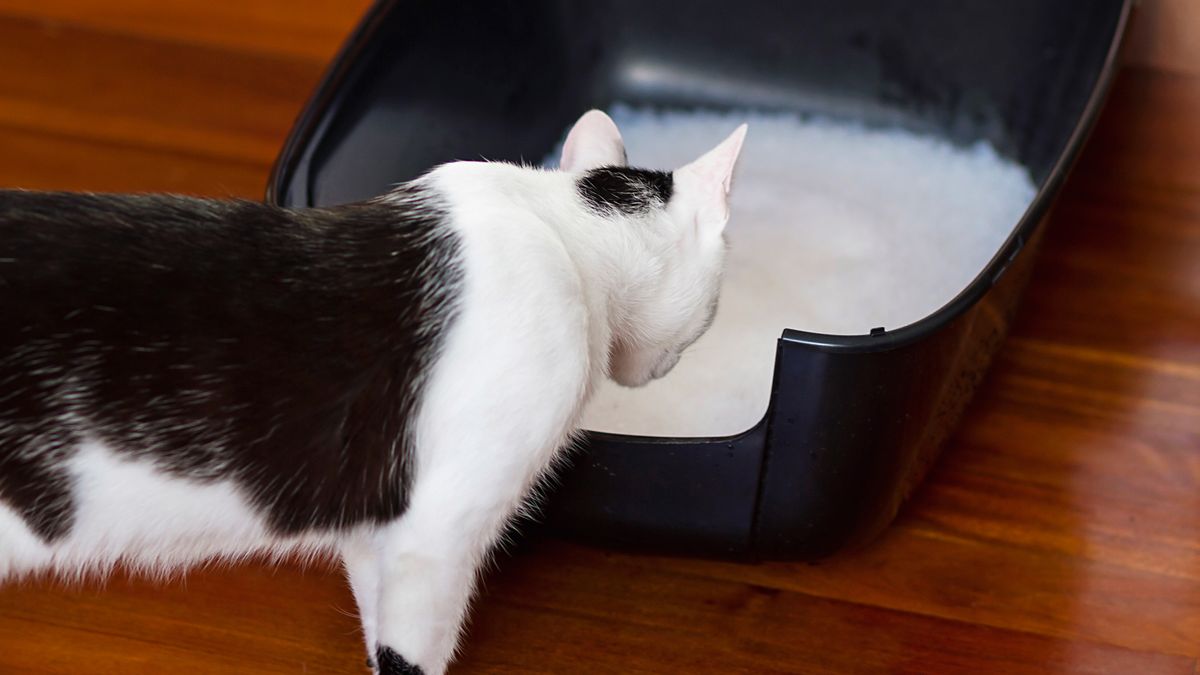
854, 421
826, 469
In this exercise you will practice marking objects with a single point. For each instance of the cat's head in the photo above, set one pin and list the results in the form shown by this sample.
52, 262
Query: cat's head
682, 214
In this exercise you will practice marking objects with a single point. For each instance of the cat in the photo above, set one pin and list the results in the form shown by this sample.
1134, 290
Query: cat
187, 379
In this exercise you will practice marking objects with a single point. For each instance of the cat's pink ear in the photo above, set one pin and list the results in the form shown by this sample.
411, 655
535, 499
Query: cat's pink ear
594, 141
710, 179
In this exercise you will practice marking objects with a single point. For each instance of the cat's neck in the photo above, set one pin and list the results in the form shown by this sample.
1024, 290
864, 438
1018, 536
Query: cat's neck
616, 258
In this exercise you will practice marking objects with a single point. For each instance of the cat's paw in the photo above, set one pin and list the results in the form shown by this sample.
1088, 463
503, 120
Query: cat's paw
391, 663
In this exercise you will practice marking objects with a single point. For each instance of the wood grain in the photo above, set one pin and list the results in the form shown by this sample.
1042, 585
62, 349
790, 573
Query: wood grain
1166, 35
145, 93
310, 30
1058, 534
48, 161
647, 616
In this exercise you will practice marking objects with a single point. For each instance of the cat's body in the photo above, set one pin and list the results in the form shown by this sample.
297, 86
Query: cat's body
185, 379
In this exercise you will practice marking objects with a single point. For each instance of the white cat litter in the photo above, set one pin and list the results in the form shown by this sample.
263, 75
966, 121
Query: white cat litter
836, 229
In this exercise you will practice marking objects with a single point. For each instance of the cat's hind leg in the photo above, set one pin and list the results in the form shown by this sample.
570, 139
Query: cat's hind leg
360, 557
429, 563
490, 422
430, 557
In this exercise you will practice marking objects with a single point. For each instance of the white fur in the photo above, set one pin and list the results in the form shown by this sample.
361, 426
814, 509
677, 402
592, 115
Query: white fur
128, 511
20, 548
556, 296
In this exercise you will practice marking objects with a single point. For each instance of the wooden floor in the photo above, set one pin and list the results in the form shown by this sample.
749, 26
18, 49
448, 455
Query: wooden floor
1060, 532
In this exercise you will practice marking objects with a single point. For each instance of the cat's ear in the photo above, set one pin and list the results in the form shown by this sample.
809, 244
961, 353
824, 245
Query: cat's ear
594, 141
708, 181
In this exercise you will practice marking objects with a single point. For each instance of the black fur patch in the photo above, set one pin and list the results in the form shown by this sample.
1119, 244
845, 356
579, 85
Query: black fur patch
625, 189
282, 349
391, 663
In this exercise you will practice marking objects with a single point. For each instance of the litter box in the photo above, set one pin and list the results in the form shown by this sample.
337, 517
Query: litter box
853, 421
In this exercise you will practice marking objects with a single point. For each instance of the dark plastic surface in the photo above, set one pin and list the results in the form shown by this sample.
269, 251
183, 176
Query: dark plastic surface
854, 421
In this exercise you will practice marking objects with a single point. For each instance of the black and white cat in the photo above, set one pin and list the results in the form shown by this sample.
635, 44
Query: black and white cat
185, 379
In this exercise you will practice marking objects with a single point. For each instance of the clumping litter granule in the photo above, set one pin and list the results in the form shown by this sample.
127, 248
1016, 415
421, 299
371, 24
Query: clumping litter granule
836, 228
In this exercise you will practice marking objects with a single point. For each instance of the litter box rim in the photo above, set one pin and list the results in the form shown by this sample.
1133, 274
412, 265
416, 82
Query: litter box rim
295, 156
883, 339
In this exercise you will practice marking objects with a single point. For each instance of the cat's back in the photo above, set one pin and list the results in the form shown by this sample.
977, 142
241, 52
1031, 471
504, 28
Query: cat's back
218, 339
176, 264
84, 252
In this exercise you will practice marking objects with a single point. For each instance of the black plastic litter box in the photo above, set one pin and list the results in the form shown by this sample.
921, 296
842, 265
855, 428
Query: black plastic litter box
854, 421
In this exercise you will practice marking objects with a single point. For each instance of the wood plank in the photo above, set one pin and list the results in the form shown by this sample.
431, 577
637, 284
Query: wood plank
972, 575
199, 100
1119, 272
535, 617
1166, 34
312, 30
634, 617
243, 620
44, 161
